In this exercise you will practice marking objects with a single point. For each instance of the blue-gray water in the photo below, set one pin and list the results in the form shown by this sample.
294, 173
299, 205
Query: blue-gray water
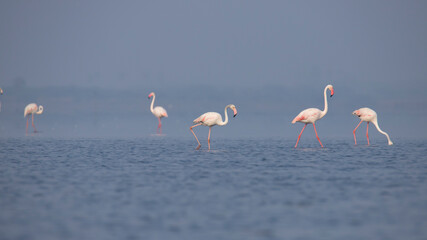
161, 188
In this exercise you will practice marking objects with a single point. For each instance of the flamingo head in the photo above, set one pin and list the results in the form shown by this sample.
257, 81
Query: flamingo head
232, 107
331, 88
150, 95
40, 111
1, 91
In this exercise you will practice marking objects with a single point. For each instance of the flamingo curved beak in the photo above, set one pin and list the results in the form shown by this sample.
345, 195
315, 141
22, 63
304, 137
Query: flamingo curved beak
332, 92
235, 112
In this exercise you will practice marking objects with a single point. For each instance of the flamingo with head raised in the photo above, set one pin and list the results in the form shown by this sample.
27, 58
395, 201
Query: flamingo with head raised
368, 115
159, 112
211, 119
32, 109
311, 115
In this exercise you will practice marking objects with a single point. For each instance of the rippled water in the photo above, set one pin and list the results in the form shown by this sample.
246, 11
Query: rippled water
161, 188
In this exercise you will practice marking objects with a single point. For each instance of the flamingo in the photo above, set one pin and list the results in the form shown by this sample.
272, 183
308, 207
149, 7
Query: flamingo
32, 109
211, 119
368, 115
158, 112
311, 115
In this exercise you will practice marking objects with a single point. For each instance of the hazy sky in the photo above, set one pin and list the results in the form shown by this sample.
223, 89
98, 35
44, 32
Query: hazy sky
373, 52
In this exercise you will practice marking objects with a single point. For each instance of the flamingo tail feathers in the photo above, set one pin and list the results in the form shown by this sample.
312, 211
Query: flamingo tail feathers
298, 118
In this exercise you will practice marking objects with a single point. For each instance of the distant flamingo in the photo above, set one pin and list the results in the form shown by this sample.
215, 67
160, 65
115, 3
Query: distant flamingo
158, 111
211, 119
32, 109
311, 115
368, 115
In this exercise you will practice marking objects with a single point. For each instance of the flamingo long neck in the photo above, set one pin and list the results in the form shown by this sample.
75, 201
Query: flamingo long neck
152, 103
375, 122
226, 117
325, 110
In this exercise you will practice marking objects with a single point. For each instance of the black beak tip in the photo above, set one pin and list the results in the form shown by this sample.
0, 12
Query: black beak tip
234, 115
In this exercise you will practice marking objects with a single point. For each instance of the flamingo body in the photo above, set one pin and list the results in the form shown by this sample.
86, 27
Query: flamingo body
32, 109
311, 115
369, 116
159, 112
211, 119
365, 114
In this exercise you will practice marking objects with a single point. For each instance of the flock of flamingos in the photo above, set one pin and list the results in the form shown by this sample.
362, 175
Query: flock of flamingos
210, 119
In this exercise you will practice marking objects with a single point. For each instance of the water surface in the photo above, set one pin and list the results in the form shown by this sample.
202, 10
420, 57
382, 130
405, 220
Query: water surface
161, 188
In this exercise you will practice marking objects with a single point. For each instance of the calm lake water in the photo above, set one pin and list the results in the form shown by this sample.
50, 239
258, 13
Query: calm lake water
161, 188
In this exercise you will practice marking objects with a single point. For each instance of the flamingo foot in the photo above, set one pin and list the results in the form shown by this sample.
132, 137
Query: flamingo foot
198, 147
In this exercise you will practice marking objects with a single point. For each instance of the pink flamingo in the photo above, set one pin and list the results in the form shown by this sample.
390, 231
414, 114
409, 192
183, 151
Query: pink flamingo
32, 109
311, 115
368, 115
211, 119
158, 112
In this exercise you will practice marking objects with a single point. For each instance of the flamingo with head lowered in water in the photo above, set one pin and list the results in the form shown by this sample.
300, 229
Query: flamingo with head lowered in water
311, 115
211, 119
368, 115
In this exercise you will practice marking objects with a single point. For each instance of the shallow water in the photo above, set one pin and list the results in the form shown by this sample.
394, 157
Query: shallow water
161, 188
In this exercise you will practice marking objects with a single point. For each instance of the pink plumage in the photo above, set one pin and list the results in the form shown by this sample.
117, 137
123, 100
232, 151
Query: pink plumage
311, 115
211, 119
159, 112
368, 115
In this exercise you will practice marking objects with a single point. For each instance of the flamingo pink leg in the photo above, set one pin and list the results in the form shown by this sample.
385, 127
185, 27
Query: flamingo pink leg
159, 127
367, 128
354, 132
32, 122
191, 129
300, 135
316, 135
209, 139
26, 130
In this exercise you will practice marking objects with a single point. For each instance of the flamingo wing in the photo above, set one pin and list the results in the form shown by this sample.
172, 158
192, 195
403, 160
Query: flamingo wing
160, 112
365, 114
309, 115
208, 119
30, 108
